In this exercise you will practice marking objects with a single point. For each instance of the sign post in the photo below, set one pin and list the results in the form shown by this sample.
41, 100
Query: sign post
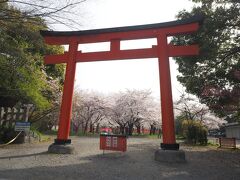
22, 126
113, 142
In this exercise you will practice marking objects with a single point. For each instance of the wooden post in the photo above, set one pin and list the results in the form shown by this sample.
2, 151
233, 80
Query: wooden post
66, 107
169, 141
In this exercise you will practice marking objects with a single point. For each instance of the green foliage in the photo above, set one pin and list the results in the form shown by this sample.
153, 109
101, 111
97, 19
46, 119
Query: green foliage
194, 132
42, 137
24, 77
214, 75
178, 125
7, 134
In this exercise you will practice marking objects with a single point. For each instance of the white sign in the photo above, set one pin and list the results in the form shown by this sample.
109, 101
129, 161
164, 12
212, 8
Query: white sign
115, 142
108, 141
111, 142
22, 126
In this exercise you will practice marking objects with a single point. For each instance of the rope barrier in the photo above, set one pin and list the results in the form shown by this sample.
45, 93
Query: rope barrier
2, 145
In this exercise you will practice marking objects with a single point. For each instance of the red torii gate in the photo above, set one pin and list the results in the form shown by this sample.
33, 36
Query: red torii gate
162, 51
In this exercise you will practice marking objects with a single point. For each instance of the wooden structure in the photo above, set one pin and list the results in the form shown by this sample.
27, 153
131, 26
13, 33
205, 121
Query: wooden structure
227, 142
162, 51
9, 115
113, 142
232, 130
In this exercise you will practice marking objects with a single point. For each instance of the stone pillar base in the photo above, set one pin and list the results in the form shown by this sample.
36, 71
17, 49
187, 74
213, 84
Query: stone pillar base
61, 149
171, 156
169, 146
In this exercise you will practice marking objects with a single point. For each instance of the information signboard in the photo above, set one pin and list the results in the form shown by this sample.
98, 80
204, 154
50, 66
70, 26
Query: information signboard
113, 142
22, 126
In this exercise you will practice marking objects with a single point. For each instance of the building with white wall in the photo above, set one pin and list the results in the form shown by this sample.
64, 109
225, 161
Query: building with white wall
233, 130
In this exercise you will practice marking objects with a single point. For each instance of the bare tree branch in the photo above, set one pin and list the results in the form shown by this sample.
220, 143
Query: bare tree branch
61, 12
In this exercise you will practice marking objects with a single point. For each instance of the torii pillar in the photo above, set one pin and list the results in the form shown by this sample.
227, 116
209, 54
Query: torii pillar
162, 51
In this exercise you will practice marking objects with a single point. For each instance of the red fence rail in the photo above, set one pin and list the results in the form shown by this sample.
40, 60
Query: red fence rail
227, 142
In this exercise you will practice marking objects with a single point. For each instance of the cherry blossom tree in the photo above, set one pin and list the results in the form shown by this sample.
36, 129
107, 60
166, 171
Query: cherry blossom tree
133, 108
88, 110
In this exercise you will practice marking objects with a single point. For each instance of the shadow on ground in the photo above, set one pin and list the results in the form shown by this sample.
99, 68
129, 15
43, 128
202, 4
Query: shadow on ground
138, 163
25, 155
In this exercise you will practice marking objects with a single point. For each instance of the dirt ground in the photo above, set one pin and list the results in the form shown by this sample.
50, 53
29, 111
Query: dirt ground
31, 161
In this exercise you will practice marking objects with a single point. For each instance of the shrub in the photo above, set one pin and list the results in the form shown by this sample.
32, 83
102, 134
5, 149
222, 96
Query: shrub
194, 132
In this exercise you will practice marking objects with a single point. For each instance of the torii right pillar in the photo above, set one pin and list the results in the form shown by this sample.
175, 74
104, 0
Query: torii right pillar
169, 151
169, 141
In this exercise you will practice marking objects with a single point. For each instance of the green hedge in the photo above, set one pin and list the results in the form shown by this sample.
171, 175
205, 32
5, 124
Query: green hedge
194, 132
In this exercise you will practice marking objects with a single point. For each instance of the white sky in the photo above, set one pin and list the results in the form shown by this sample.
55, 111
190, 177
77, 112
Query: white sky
112, 76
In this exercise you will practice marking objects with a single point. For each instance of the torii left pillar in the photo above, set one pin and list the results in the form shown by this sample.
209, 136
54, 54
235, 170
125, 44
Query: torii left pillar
64, 129
62, 143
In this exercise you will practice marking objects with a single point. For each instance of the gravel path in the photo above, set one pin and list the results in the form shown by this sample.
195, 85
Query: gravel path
30, 161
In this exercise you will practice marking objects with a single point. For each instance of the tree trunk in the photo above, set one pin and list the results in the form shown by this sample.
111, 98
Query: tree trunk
76, 128
122, 128
139, 130
159, 133
151, 129
85, 128
143, 130
154, 130
97, 128
126, 130
91, 127
130, 129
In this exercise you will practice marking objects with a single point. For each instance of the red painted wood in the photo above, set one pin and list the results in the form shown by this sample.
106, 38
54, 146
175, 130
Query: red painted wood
174, 51
113, 143
66, 107
56, 59
166, 91
162, 51
115, 45
140, 34
116, 54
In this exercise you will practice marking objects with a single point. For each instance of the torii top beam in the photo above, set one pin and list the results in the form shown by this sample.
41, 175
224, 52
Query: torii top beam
133, 32
115, 35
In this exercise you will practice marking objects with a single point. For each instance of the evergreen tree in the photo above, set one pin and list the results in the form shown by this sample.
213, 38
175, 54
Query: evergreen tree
24, 77
214, 76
